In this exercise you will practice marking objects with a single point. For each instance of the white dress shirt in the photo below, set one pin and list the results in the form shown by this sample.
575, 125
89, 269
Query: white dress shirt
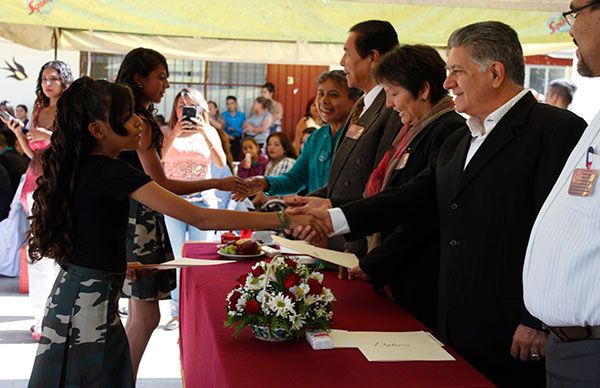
561, 274
370, 97
479, 131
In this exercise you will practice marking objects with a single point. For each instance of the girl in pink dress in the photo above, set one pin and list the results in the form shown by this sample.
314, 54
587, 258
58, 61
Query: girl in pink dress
54, 78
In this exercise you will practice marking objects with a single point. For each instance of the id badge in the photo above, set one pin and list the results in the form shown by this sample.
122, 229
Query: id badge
403, 160
582, 182
584, 179
355, 132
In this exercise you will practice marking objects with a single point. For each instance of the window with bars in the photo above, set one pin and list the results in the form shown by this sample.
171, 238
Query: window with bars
216, 80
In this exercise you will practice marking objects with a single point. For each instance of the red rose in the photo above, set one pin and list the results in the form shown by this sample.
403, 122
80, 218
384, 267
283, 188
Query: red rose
315, 287
291, 280
242, 278
252, 307
234, 298
290, 295
291, 263
257, 271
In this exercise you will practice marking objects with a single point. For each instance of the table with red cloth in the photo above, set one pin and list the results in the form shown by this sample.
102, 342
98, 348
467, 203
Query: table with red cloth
212, 357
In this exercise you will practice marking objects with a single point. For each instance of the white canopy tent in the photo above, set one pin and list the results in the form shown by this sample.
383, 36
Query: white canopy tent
264, 31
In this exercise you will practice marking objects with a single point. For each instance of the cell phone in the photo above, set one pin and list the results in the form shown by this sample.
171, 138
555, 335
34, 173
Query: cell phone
8, 117
188, 112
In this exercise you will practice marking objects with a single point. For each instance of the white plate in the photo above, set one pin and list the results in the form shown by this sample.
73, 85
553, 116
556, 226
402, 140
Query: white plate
240, 257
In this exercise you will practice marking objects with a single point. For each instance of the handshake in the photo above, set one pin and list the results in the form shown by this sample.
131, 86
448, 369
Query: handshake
308, 216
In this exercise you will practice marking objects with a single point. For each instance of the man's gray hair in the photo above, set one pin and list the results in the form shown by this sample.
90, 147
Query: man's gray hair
489, 42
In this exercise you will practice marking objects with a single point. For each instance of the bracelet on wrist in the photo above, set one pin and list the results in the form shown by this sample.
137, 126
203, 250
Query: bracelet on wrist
284, 221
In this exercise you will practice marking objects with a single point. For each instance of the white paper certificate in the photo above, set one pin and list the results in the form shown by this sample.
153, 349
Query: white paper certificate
344, 259
179, 263
392, 346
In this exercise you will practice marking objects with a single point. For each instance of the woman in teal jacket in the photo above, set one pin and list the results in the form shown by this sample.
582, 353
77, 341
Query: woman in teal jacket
311, 170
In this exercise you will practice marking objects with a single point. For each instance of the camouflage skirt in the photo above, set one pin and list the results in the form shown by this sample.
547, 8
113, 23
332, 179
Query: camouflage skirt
148, 243
83, 342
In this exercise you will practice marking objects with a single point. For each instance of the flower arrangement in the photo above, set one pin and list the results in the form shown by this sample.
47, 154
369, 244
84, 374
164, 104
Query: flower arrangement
280, 299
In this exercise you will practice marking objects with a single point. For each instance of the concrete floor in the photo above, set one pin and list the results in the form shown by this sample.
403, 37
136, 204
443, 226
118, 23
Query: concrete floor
159, 368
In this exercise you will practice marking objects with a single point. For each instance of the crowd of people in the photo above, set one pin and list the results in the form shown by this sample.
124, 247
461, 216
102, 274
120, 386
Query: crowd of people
457, 186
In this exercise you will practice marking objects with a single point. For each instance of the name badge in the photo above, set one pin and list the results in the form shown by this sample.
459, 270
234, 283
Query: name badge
584, 179
355, 132
582, 182
402, 163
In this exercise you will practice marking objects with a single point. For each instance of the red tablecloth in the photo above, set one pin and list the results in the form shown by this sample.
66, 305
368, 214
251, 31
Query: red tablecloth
211, 357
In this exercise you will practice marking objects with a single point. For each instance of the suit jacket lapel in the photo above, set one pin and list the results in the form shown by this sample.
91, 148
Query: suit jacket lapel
501, 135
341, 154
371, 114
344, 128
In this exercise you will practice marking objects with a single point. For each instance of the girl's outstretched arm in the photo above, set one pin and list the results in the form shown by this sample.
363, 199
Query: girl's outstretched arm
163, 201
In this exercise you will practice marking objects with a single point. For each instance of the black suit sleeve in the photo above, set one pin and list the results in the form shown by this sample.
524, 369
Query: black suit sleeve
393, 206
383, 263
557, 148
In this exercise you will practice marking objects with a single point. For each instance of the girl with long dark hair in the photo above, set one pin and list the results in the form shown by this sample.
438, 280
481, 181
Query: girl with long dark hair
146, 72
80, 219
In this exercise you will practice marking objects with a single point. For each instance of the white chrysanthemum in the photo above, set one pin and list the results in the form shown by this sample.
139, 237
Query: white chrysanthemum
321, 312
312, 299
297, 321
318, 276
240, 303
327, 295
281, 305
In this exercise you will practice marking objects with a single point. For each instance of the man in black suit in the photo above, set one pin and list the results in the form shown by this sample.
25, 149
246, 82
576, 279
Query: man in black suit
371, 126
487, 184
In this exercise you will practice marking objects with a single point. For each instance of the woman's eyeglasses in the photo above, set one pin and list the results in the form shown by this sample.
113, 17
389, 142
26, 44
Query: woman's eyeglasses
571, 15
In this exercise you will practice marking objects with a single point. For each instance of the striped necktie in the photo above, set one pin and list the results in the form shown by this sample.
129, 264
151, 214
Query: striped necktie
358, 108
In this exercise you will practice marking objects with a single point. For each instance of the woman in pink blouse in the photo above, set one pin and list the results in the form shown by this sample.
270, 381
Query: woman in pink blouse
54, 78
188, 151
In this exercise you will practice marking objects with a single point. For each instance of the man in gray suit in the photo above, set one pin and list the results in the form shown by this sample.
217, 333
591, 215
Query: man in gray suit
371, 126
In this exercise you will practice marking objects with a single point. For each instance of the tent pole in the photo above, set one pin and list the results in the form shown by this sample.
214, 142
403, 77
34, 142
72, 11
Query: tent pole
55, 38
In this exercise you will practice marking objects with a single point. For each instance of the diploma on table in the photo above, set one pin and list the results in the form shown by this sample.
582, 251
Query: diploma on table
344, 259
392, 346
179, 263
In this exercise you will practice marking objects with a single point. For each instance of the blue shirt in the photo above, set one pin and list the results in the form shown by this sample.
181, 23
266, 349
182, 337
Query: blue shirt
311, 169
233, 124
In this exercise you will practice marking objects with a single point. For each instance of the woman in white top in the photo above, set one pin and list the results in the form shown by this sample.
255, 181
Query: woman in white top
188, 152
